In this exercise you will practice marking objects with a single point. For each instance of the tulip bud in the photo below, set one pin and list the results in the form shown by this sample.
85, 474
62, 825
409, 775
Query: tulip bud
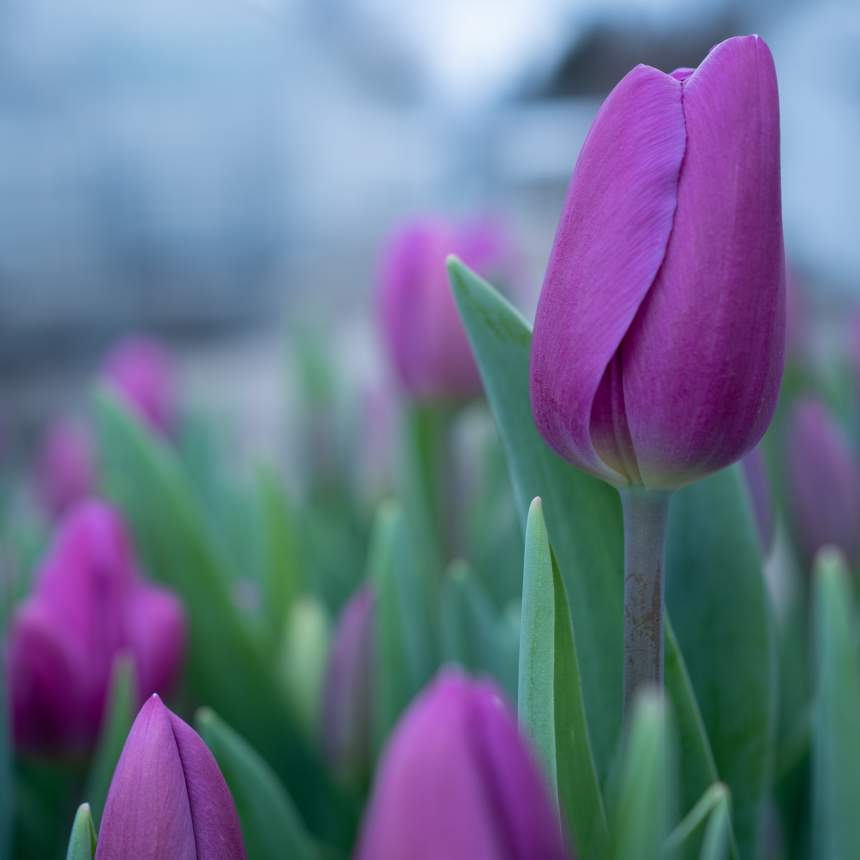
421, 327
346, 715
168, 797
458, 781
88, 605
659, 336
824, 482
66, 471
140, 371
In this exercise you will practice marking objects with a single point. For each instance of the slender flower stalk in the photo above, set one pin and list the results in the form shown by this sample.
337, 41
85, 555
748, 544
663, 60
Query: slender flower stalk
645, 516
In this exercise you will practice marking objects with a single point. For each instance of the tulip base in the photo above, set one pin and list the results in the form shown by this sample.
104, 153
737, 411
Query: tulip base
645, 517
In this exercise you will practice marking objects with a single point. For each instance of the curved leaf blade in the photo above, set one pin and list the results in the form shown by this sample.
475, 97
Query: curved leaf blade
82, 841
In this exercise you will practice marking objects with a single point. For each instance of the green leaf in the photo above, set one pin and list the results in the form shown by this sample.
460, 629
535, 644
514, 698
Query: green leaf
119, 715
645, 806
717, 844
404, 647
226, 666
82, 842
270, 823
550, 695
716, 593
583, 518
709, 816
471, 634
583, 515
836, 743
282, 575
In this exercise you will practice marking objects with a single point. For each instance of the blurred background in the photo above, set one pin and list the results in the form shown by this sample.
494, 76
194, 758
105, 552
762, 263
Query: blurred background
221, 175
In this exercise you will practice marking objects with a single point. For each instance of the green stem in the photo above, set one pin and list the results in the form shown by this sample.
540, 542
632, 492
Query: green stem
645, 516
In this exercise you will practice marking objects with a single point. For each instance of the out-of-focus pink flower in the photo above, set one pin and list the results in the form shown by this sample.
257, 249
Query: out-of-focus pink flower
346, 711
140, 370
89, 604
458, 781
168, 798
421, 327
66, 469
823, 481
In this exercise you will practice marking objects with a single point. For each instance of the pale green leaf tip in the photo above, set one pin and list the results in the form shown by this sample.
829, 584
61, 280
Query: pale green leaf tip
204, 717
830, 563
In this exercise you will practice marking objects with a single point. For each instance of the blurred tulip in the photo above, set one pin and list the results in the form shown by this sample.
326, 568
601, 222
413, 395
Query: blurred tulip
89, 604
824, 482
421, 327
140, 371
168, 798
458, 781
346, 716
755, 473
66, 470
659, 336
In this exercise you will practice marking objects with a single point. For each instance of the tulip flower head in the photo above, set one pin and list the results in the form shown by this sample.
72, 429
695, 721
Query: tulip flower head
824, 482
458, 781
89, 605
140, 371
659, 335
421, 326
347, 696
168, 798
66, 471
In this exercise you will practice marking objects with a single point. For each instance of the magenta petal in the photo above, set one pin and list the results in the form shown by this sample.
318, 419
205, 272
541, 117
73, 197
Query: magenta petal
608, 249
824, 482
155, 631
148, 813
703, 360
346, 711
167, 797
44, 683
213, 814
439, 793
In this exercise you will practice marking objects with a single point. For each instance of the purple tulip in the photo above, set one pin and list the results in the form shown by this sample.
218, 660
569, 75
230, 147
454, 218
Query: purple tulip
458, 781
168, 797
346, 712
659, 336
89, 605
421, 326
66, 471
140, 371
824, 482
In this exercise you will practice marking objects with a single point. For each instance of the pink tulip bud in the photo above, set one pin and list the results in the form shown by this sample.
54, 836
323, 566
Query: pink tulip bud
168, 798
660, 332
458, 781
140, 371
89, 604
66, 470
347, 698
824, 482
421, 327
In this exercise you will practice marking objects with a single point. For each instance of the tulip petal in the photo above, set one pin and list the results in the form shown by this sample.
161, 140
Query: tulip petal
44, 682
148, 811
610, 244
424, 806
217, 832
512, 776
702, 361
824, 482
155, 631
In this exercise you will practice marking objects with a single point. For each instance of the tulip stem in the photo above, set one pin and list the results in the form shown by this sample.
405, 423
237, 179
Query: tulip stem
645, 516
